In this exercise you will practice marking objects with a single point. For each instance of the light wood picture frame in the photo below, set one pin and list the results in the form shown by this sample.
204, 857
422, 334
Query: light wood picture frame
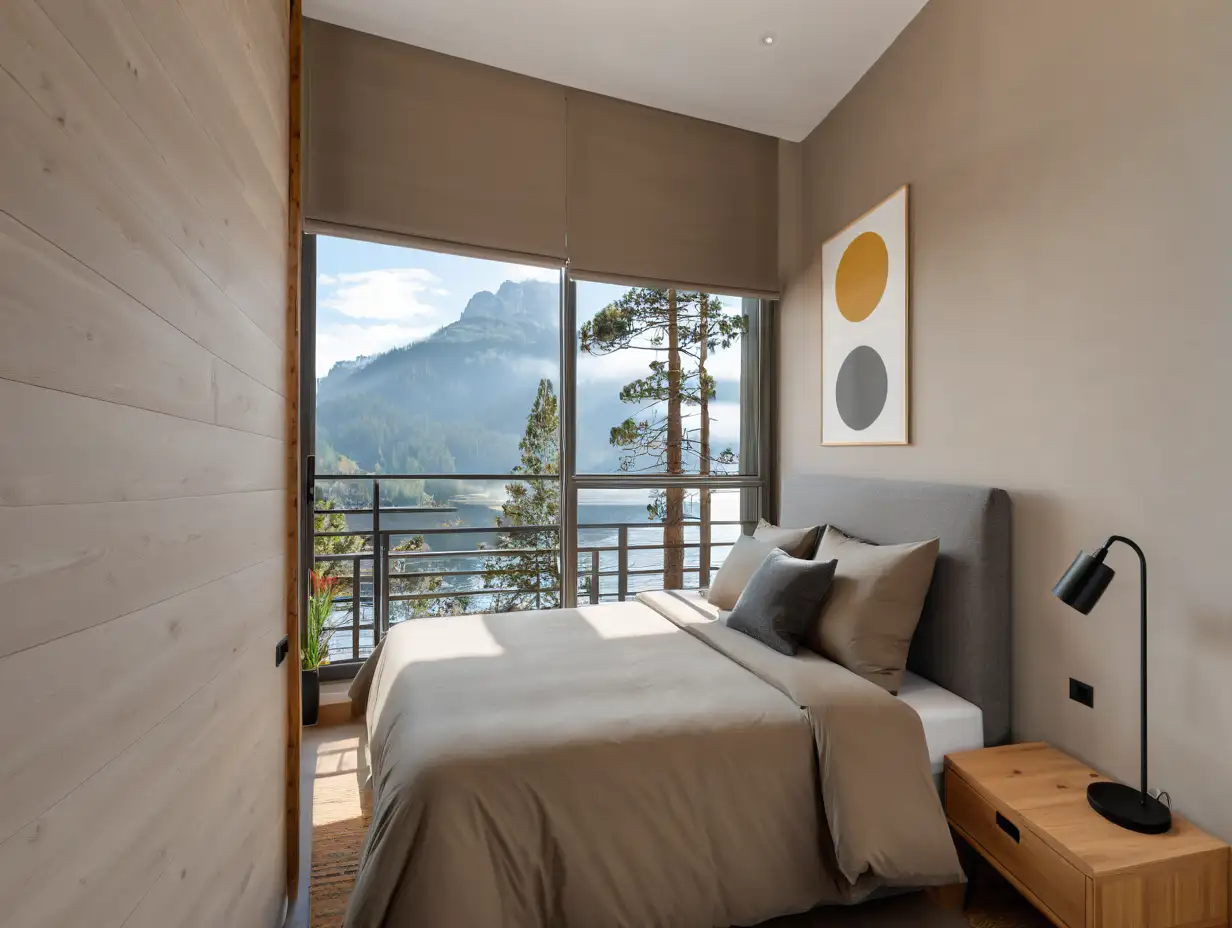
865, 329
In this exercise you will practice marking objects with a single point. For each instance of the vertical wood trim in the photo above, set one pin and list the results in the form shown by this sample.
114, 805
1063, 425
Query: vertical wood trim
295, 491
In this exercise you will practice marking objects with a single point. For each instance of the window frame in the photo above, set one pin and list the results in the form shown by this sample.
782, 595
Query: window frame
756, 428
754, 423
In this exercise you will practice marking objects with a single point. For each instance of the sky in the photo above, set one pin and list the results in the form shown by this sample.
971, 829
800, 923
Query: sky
372, 298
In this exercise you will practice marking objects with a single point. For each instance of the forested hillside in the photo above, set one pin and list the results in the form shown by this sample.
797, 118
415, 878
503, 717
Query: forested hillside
454, 402
457, 401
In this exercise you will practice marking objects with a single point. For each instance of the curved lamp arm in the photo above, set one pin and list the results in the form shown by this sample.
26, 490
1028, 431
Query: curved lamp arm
1142, 560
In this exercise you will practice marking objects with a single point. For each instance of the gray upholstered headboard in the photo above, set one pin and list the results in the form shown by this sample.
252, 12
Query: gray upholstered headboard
964, 638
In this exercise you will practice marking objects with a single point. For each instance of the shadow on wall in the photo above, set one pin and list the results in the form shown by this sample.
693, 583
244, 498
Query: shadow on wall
1046, 633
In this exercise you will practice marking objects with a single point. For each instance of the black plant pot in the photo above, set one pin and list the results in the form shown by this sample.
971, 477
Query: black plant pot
310, 695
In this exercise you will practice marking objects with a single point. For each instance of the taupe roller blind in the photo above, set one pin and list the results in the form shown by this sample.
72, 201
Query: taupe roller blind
436, 149
654, 196
404, 140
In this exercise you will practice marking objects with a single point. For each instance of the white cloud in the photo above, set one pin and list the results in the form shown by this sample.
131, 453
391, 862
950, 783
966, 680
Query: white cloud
389, 295
406, 273
725, 422
628, 364
621, 365
391, 307
388, 307
532, 367
348, 340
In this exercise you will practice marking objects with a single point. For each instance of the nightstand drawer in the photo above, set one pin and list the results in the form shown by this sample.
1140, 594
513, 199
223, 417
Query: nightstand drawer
1055, 883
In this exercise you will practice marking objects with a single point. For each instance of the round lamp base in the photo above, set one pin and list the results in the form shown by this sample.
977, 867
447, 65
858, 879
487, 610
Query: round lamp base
1125, 806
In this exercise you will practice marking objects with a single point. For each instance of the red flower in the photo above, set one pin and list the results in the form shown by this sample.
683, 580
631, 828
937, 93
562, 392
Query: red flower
322, 584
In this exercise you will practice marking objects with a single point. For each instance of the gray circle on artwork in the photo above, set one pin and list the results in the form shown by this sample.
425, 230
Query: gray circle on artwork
862, 387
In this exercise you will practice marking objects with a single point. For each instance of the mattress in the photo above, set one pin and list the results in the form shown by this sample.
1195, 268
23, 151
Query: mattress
950, 722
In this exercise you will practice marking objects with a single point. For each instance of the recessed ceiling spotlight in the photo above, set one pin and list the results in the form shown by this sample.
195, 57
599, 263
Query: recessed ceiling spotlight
769, 38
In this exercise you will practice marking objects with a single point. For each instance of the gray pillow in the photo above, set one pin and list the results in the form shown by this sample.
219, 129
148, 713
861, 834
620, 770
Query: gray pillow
798, 542
780, 604
741, 563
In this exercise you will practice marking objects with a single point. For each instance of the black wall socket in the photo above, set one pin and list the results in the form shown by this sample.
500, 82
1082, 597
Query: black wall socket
1082, 692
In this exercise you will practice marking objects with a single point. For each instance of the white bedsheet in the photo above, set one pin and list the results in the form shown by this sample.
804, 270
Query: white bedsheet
950, 722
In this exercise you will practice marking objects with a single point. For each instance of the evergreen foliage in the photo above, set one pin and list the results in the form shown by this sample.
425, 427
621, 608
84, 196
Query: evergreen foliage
532, 569
671, 432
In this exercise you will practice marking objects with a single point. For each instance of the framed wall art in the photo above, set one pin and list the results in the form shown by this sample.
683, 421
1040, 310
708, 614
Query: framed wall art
864, 329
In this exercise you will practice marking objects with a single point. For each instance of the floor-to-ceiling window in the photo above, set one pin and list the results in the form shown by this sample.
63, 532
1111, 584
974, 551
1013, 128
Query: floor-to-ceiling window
468, 458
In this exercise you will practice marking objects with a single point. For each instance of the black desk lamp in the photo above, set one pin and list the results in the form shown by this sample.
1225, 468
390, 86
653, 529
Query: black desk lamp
1081, 587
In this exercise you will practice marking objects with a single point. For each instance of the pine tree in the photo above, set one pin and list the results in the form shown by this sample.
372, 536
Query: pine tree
334, 521
400, 610
531, 502
686, 326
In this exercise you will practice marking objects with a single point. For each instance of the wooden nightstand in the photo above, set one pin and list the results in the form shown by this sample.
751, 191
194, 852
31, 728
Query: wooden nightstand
1023, 807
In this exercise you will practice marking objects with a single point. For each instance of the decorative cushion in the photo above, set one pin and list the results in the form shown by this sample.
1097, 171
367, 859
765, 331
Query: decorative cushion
742, 562
798, 542
874, 605
780, 603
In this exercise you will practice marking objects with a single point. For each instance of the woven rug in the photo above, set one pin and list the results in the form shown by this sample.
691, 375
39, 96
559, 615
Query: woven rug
340, 816
341, 812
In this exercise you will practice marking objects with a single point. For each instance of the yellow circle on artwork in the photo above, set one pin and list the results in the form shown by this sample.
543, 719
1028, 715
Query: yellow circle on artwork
863, 272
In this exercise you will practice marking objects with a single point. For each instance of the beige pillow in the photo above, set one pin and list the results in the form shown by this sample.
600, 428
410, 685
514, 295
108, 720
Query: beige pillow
742, 562
874, 605
798, 542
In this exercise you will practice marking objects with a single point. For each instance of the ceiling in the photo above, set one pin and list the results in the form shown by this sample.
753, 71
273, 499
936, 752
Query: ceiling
703, 58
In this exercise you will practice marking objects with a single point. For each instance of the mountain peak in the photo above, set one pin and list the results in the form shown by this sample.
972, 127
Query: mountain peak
533, 300
485, 303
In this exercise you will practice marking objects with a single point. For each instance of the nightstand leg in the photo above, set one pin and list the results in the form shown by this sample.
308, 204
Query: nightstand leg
970, 861
951, 897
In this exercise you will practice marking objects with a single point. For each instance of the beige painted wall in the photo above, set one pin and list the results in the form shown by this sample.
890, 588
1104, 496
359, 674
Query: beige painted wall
1071, 172
143, 197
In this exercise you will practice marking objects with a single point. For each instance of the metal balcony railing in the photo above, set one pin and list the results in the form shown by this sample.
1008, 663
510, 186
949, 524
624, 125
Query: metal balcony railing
591, 572
381, 585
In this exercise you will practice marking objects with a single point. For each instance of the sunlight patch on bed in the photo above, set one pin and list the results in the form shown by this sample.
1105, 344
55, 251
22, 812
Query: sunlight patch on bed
625, 623
457, 636
684, 607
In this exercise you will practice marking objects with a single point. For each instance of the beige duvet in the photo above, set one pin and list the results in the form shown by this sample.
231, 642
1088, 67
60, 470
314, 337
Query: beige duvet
636, 765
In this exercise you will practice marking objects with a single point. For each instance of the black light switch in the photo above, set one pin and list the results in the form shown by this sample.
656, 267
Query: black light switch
281, 650
1082, 692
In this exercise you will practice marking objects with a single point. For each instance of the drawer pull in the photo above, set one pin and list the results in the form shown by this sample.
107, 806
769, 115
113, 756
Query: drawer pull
1008, 827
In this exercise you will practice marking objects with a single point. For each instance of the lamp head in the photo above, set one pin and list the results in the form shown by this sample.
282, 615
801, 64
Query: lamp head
1085, 581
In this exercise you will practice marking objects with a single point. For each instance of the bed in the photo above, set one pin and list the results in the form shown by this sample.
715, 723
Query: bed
641, 764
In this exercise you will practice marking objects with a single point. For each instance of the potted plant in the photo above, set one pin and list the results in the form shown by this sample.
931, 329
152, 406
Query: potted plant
315, 649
